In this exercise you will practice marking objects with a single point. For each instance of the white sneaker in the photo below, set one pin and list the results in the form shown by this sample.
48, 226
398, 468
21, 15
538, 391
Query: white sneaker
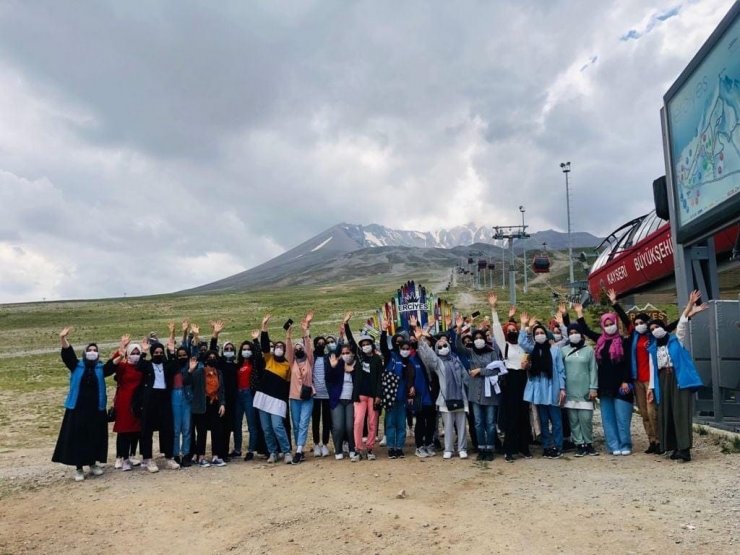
272, 459
317, 450
339, 456
421, 452
430, 450
79, 475
616, 453
97, 470
354, 457
382, 442
119, 463
370, 456
324, 451
626, 452
126, 466
463, 454
151, 466
288, 458
134, 461
172, 464
447, 455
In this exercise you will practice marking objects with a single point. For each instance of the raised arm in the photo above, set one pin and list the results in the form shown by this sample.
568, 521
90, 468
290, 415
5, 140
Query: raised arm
691, 309
525, 339
496, 328
307, 343
264, 336
68, 353
289, 354
348, 333
588, 332
384, 349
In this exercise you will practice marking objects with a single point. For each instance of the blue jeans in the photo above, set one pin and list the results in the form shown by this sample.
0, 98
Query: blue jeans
395, 426
300, 414
182, 423
244, 406
616, 419
485, 425
550, 414
274, 430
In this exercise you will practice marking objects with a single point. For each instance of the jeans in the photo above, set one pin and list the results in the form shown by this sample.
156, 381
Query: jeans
182, 422
616, 418
485, 425
342, 425
365, 406
275, 436
395, 425
551, 414
300, 413
244, 406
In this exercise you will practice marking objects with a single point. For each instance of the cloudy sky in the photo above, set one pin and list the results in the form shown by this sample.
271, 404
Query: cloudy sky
150, 146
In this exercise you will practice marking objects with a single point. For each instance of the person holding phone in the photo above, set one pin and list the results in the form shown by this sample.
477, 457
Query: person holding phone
273, 390
581, 389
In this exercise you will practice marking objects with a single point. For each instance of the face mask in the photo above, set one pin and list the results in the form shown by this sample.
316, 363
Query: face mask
443, 351
367, 349
347, 359
557, 336
611, 330
331, 346
157, 359
299, 354
575, 338
479, 343
182, 360
91, 355
512, 337
542, 338
229, 354
641, 328
279, 352
211, 362
246, 353
134, 359
405, 353
659, 333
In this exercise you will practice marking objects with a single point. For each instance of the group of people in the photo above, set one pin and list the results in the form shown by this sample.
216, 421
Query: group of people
533, 380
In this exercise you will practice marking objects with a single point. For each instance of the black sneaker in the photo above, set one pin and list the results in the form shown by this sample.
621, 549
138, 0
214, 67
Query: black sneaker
547, 453
590, 451
509, 458
235, 454
186, 462
556, 453
526, 454
674, 455
568, 445
659, 450
481, 456
650, 449
298, 458
400, 454
581, 451
178, 460
249, 456
684, 455
490, 455
392, 454
437, 444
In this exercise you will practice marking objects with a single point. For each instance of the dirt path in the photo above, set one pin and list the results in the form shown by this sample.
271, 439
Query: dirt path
636, 504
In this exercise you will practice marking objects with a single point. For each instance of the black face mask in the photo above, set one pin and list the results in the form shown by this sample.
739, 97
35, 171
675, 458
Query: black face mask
300, 354
319, 349
512, 337
157, 359
182, 360
211, 362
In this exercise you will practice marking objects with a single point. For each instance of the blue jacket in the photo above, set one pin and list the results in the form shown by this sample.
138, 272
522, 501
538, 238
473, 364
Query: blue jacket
541, 390
683, 365
75, 378
463, 356
395, 365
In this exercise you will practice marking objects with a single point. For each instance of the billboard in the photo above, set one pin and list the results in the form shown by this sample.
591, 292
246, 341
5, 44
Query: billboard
703, 115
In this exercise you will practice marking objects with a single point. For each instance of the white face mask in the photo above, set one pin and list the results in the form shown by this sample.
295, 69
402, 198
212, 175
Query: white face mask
331, 346
367, 349
229, 354
557, 336
611, 330
134, 359
659, 333
279, 352
443, 351
641, 328
479, 343
541, 338
246, 353
348, 359
575, 338
405, 353
91, 355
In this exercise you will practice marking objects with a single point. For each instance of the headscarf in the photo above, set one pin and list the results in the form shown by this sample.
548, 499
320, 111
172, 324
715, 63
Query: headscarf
663, 340
541, 356
616, 349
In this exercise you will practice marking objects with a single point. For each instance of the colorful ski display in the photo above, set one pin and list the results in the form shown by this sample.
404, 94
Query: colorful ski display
413, 299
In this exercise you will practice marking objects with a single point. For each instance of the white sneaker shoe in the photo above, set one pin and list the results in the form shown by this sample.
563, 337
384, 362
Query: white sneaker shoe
288, 458
172, 464
463, 454
430, 450
151, 466
317, 450
126, 467
134, 461
97, 470
324, 451
370, 456
119, 463
272, 459
616, 453
383, 442
354, 457
625, 452
447, 455
421, 452
79, 475
339, 456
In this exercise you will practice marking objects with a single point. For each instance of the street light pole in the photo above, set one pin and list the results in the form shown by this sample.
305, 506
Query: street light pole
524, 247
565, 166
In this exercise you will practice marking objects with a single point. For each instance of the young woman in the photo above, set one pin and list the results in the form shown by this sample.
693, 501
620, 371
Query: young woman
545, 387
453, 400
321, 421
641, 340
228, 367
673, 382
340, 381
581, 389
481, 391
83, 437
516, 424
301, 389
246, 362
272, 391
398, 379
209, 407
615, 382
128, 378
182, 399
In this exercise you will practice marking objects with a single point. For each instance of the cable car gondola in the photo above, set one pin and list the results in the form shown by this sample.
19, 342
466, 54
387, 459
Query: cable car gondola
541, 262
482, 264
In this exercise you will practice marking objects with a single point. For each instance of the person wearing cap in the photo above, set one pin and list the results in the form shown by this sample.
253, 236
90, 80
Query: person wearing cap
545, 388
83, 436
581, 389
673, 381
366, 390
128, 378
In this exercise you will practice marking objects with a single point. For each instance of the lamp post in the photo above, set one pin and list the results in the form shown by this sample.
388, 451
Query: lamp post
524, 247
565, 166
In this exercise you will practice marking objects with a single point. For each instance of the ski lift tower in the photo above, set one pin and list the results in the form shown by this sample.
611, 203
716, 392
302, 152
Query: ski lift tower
510, 233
